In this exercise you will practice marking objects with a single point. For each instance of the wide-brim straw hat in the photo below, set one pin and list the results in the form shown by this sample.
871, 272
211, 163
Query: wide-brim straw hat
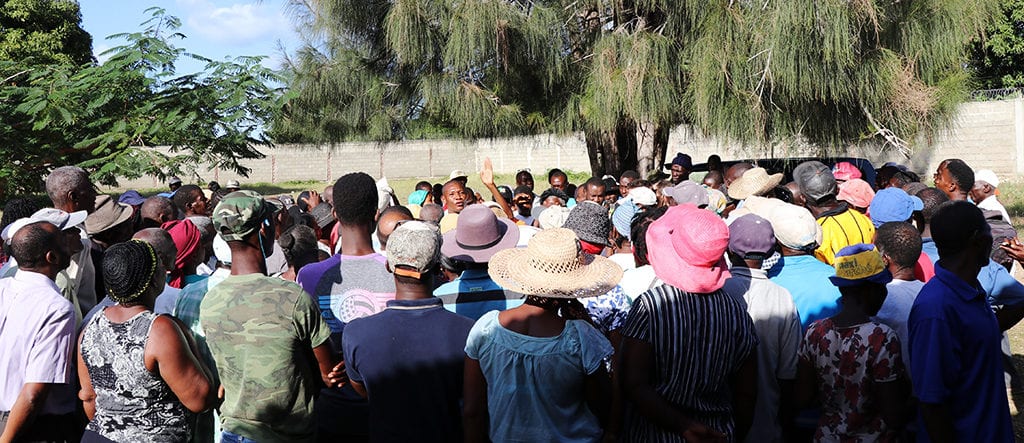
553, 265
755, 181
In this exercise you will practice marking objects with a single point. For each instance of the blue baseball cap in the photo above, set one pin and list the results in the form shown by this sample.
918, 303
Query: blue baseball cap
893, 204
859, 263
681, 160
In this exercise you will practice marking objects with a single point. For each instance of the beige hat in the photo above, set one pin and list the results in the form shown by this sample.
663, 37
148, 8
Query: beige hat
552, 265
795, 227
755, 181
553, 217
108, 213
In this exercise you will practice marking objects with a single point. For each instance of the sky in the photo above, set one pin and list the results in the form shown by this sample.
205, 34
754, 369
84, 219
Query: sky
216, 29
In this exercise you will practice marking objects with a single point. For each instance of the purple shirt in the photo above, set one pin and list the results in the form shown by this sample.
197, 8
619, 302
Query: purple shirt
37, 335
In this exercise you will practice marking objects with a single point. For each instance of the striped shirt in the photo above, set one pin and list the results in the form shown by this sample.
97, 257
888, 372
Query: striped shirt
842, 227
699, 341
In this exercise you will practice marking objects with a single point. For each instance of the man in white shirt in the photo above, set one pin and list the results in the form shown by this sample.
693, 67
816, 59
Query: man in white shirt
771, 307
70, 190
984, 192
900, 246
37, 333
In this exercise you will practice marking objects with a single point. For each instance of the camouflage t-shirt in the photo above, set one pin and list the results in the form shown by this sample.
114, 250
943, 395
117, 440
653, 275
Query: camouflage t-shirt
262, 332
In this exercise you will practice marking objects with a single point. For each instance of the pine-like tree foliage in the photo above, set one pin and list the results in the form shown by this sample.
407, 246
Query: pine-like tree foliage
830, 72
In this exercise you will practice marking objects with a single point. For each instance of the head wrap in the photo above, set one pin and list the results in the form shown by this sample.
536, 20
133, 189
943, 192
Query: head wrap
186, 238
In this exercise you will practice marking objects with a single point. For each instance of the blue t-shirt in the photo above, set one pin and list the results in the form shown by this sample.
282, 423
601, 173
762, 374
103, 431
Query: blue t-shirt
474, 294
956, 360
410, 358
806, 279
535, 384
1000, 287
347, 287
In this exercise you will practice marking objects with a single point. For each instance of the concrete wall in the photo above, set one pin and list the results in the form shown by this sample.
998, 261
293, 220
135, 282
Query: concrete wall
987, 135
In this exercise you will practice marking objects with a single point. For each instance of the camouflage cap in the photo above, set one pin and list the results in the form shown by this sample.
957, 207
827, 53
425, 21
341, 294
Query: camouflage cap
239, 214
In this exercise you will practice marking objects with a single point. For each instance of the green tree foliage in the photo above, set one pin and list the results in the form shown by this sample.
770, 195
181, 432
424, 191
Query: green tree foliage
830, 72
43, 32
998, 61
100, 116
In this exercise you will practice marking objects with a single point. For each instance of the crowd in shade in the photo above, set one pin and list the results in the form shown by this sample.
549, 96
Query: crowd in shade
843, 305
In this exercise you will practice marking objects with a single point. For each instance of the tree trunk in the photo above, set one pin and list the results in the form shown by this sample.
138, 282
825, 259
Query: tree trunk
612, 153
652, 142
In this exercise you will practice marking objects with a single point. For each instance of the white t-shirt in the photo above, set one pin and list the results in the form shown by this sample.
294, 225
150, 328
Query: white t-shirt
626, 261
777, 323
638, 280
895, 312
992, 204
37, 336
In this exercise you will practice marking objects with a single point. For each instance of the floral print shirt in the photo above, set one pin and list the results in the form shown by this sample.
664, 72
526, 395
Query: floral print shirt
848, 361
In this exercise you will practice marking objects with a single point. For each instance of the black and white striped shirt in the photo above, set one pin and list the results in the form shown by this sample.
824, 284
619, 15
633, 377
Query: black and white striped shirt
699, 341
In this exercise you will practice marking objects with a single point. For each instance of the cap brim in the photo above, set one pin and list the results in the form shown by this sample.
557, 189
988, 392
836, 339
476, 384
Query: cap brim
511, 270
452, 249
77, 218
881, 278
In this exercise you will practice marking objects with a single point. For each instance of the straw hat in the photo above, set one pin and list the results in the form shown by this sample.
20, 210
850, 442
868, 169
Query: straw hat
755, 181
552, 265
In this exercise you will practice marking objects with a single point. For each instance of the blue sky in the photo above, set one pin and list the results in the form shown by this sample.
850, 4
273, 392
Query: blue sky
215, 28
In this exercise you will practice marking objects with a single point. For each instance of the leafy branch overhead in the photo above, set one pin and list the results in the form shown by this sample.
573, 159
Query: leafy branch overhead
831, 73
99, 115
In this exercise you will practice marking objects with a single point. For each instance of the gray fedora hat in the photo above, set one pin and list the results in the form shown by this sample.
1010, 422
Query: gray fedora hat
478, 235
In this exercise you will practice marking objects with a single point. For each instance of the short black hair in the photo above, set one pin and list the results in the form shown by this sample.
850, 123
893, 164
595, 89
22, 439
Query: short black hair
961, 174
424, 185
552, 192
900, 241
16, 208
355, 199
555, 172
299, 245
954, 224
523, 190
523, 173
629, 173
932, 198
31, 243
398, 208
185, 195
638, 232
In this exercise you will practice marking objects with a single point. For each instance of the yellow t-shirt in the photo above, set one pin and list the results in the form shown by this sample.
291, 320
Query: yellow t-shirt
839, 230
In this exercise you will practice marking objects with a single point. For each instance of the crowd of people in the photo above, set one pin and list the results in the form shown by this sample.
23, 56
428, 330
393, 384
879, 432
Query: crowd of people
832, 307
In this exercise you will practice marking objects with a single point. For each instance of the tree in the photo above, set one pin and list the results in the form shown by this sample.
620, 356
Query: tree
829, 73
101, 116
43, 32
998, 61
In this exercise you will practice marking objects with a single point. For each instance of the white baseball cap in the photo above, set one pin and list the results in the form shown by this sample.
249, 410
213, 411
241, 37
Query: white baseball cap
987, 176
56, 217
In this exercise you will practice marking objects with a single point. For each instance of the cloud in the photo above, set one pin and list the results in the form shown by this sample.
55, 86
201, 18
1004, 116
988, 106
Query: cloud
236, 24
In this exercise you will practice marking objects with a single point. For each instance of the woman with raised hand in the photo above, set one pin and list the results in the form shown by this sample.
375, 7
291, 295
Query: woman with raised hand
140, 375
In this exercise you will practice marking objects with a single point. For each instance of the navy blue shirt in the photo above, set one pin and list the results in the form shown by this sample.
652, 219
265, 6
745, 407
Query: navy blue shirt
955, 358
410, 359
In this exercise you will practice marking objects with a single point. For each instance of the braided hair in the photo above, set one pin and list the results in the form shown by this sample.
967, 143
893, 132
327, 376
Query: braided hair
128, 270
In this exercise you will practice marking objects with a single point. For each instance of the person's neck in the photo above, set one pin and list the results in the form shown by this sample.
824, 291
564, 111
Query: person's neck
817, 210
414, 291
247, 259
49, 271
926, 232
355, 240
905, 273
850, 314
787, 252
957, 195
961, 266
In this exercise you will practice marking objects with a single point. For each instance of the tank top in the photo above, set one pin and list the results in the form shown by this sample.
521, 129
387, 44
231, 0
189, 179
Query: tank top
132, 404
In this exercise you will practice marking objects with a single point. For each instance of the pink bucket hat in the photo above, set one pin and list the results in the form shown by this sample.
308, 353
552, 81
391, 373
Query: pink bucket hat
856, 192
846, 171
686, 247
